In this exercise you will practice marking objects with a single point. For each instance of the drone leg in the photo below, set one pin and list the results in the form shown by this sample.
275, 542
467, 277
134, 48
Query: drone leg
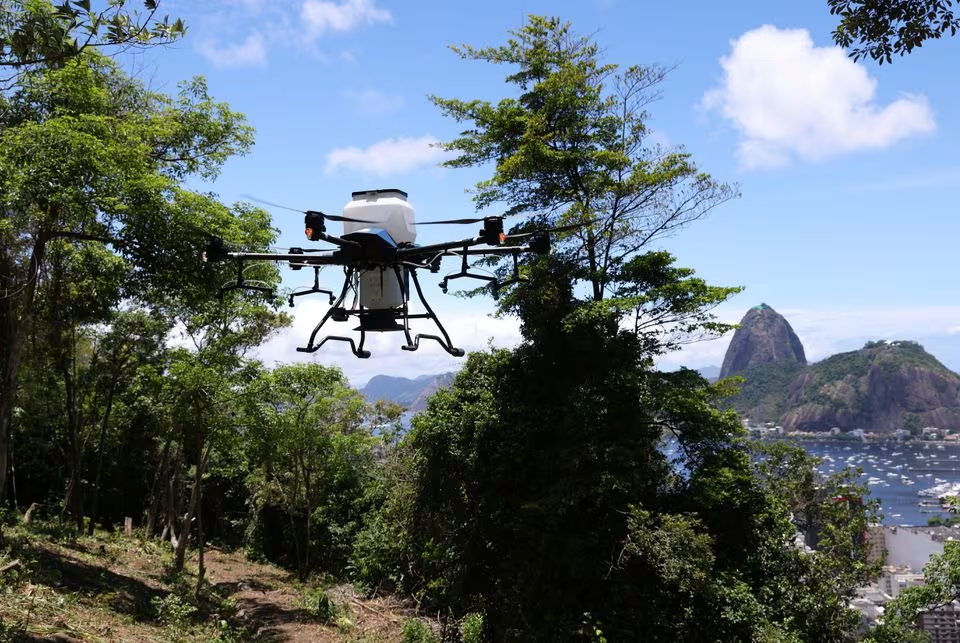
464, 272
242, 284
309, 348
514, 278
357, 350
444, 341
316, 288
405, 289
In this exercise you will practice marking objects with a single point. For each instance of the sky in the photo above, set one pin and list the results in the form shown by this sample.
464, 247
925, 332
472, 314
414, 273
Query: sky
846, 223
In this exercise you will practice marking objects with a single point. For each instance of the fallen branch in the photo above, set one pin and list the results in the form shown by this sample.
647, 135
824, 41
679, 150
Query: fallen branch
13, 564
378, 613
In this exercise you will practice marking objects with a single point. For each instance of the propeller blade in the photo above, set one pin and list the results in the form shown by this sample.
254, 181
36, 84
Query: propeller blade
273, 205
341, 219
328, 217
456, 221
563, 228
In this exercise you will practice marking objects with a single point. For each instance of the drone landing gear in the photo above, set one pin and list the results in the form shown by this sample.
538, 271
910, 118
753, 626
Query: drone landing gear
380, 320
316, 288
495, 282
243, 284
356, 349
414, 344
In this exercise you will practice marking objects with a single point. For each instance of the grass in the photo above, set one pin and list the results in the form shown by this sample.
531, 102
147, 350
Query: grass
108, 587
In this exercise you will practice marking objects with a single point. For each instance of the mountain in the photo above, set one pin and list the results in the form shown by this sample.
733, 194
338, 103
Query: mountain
411, 393
764, 337
882, 387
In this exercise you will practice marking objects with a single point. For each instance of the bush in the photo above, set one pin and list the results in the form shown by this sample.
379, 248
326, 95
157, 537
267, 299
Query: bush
416, 631
318, 603
471, 628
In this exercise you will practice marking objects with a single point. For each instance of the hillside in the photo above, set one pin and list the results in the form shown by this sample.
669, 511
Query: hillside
883, 386
410, 393
57, 587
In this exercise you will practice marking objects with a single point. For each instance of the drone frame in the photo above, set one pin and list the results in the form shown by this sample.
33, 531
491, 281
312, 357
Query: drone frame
373, 249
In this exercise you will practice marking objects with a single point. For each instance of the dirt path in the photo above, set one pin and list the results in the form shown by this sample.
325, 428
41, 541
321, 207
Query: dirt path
268, 604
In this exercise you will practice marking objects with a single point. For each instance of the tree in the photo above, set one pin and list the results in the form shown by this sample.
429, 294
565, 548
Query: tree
313, 457
575, 146
89, 155
37, 33
882, 28
540, 492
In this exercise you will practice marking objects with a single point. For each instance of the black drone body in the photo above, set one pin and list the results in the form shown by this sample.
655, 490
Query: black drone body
380, 262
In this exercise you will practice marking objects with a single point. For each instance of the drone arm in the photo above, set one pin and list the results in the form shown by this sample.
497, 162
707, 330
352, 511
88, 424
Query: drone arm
437, 248
337, 241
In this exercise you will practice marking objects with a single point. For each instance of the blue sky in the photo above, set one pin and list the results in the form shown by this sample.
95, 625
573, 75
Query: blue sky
846, 223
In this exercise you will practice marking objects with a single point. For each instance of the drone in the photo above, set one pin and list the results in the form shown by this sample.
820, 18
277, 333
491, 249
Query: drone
380, 262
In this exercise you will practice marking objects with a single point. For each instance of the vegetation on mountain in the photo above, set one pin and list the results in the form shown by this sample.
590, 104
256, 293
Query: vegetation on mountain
409, 393
762, 394
881, 387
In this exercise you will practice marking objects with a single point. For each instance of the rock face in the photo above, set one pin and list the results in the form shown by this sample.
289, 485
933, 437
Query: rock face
764, 337
881, 387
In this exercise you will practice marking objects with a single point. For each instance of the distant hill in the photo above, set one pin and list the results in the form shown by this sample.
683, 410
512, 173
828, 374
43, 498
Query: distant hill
711, 373
410, 393
881, 387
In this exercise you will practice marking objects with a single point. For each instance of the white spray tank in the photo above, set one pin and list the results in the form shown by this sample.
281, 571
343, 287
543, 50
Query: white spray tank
388, 210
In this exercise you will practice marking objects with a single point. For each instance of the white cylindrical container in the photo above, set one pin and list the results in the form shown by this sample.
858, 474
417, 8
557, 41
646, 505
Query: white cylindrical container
387, 209
380, 288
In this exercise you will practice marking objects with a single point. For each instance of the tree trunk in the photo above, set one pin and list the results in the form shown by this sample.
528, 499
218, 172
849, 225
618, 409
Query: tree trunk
16, 315
171, 499
201, 568
195, 494
156, 495
95, 501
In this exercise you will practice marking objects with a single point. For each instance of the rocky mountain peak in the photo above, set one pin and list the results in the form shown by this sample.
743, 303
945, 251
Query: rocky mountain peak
764, 336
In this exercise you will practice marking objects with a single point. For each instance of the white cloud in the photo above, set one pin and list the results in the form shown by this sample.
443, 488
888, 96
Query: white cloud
386, 157
321, 17
953, 330
790, 99
373, 103
250, 53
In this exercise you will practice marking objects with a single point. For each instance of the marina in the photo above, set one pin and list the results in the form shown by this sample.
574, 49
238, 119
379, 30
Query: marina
908, 478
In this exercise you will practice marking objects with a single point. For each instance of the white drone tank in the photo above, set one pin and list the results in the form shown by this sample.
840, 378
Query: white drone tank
390, 211
386, 209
